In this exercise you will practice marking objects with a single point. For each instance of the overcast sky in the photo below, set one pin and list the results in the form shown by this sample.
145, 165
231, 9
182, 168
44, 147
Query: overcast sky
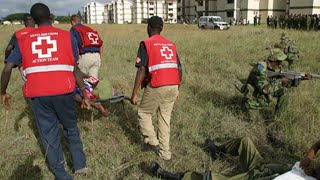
57, 7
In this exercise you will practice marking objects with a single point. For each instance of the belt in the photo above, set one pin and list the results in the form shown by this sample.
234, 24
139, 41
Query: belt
89, 52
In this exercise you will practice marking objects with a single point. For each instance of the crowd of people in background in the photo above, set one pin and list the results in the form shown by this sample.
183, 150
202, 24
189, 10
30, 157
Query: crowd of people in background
296, 21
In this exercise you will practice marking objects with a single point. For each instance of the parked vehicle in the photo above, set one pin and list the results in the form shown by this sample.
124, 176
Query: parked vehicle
212, 22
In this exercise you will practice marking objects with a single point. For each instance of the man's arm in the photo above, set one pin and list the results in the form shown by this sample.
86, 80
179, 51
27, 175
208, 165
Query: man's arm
79, 75
310, 156
141, 64
10, 46
79, 80
13, 60
8, 50
5, 78
77, 37
140, 75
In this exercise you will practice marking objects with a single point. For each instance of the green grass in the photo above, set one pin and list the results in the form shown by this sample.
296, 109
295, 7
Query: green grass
208, 105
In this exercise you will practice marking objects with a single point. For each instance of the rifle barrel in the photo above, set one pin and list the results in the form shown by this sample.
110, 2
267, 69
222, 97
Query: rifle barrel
315, 75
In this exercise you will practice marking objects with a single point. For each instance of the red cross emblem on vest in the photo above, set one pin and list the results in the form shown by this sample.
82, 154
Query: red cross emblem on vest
44, 47
166, 52
93, 38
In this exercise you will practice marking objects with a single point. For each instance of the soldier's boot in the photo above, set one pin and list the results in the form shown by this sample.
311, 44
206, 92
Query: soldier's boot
211, 148
159, 172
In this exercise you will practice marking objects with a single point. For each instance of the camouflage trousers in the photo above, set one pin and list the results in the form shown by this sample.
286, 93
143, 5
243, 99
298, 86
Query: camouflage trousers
250, 161
254, 104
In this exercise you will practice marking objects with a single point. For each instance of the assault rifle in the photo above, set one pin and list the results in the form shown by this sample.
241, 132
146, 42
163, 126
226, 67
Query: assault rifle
295, 77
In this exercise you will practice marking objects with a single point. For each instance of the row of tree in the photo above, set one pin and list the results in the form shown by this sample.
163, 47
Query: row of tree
20, 16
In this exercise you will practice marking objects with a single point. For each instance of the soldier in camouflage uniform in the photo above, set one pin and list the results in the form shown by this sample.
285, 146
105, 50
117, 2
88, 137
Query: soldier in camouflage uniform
290, 49
284, 39
250, 161
261, 89
292, 55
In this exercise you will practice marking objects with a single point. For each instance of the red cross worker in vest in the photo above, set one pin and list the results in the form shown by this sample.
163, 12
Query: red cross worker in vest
159, 73
29, 26
48, 56
89, 45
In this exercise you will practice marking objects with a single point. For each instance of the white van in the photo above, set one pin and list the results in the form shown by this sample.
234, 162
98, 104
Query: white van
212, 22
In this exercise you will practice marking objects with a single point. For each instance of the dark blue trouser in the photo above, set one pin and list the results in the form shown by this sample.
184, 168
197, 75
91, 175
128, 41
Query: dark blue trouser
49, 111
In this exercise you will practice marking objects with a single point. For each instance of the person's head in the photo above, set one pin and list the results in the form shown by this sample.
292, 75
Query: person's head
155, 25
40, 13
276, 57
28, 20
75, 19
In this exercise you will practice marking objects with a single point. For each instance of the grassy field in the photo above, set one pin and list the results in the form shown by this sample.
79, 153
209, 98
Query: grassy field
208, 106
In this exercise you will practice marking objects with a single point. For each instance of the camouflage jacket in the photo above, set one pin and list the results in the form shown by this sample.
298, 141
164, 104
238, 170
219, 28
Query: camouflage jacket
293, 52
264, 87
263, 84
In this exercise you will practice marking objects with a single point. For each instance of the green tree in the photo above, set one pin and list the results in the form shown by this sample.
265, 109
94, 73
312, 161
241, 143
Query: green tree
79, 14
15, 17
63, 19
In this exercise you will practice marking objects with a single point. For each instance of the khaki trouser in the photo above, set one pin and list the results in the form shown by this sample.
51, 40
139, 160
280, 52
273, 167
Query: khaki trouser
249, 159
89, 63
161, 101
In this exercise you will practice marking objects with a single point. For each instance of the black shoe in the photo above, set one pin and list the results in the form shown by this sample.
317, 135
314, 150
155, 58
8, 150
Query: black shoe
211, 148
154, 168
149, 147
158, 172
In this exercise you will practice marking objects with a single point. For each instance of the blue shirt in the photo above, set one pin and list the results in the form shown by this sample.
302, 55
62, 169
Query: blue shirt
16, 58
84, 50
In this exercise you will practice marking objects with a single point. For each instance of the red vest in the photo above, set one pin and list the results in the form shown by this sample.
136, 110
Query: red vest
23, 32
162, 61
88, 36
47, 62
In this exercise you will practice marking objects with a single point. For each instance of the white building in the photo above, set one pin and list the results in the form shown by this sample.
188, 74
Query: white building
122, 11
245, 9
304, 6
94, 13
144, 9
108, 15
186, 10
130, 11
233, 9
118, 12
140, 11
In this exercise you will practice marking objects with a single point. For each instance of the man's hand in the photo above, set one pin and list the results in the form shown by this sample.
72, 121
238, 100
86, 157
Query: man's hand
284, 80
134, 99
85, 103
307, 77
5, 99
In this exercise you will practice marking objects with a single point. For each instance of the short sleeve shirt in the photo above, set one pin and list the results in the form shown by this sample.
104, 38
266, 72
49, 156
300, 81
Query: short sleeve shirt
13, 39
